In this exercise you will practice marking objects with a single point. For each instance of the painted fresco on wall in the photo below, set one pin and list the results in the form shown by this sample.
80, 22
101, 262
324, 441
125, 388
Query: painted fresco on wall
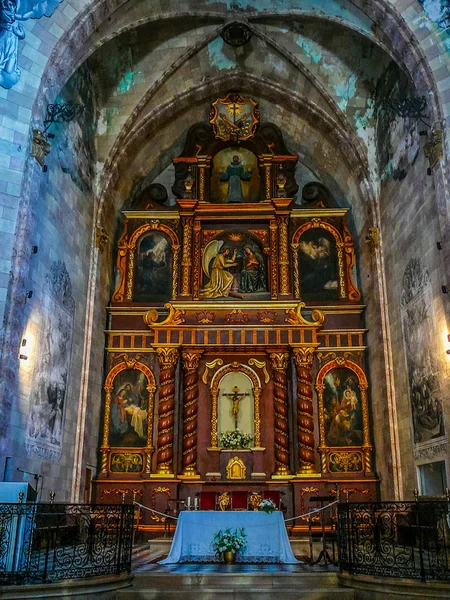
419, 330
235, 177
51, 374
342, 408
318, 265
153, 275
12, 12
234, 265
128, 422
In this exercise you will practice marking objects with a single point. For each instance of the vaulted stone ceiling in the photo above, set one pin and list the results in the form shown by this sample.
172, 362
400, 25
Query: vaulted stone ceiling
319, 73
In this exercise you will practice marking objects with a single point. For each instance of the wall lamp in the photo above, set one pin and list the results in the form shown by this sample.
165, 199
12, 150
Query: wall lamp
29, 294
23, 356
34, 249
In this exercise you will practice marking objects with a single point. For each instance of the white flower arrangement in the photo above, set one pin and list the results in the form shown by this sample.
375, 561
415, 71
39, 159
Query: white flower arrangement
229, 540
233, 438
267, 506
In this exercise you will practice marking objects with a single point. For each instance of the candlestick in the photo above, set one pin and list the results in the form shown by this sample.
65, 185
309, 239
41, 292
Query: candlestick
196, 503
188, 503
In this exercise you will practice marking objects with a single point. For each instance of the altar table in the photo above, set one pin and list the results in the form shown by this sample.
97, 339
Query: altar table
266, 536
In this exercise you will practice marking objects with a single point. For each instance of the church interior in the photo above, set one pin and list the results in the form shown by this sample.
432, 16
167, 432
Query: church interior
224, 267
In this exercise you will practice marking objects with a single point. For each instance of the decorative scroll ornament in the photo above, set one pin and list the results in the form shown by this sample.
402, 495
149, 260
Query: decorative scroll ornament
345, 462
126, 463
205, 317
261, 365
237, 316
295, 317
267, 316
175, 317
234, 117
155, 492
211, 365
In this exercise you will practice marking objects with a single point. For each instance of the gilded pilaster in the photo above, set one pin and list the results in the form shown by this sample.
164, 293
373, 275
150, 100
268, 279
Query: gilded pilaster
186, 261
274, 258
284, 255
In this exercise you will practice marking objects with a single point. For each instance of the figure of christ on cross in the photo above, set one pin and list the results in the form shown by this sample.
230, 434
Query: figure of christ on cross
235, 398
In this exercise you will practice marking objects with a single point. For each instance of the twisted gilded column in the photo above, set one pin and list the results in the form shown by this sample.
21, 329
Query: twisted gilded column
305, 422
167, 359
191, 361
284, 255
186, 261
279, 361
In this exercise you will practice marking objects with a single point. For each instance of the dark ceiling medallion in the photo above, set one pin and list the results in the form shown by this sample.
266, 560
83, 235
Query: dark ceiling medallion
236, 34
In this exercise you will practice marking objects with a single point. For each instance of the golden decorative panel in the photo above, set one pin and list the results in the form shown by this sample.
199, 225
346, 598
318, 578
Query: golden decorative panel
236, 469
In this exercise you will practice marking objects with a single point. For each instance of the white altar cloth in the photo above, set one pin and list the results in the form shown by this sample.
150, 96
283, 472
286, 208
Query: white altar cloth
267, 540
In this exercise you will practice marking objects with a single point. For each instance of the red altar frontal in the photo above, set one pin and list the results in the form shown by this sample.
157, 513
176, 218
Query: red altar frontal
235, 346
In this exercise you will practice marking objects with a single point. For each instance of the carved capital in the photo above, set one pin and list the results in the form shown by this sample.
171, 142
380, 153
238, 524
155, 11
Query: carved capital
167, 357
191, 360
279, 360
304, 357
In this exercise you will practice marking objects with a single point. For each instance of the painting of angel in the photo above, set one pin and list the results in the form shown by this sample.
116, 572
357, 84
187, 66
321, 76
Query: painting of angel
342, 408
11, 31
318, 265
128, 419
216, 261
153, 274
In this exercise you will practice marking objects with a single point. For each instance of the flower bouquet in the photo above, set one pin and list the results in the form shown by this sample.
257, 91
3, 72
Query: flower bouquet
229, 542
267, 506
233, 438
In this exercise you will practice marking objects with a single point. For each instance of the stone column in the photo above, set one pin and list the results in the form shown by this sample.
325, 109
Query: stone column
191, 361
167, 359
279, 361
305, 422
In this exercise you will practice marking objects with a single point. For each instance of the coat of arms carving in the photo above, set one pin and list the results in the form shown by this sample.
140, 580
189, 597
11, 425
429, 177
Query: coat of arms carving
234, 117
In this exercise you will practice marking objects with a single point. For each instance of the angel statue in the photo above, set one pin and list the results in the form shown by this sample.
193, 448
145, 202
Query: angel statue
220, 281
11, 31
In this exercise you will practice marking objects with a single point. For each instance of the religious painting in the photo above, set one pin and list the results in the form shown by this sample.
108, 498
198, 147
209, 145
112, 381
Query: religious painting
318, 265
235, 177
153, 271
342, 408
51, 374
128, 420
423, 371
234, 266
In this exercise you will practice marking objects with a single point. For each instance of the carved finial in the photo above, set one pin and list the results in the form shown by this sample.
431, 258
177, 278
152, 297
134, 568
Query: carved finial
40, 147
188, 185
21, 495
281, 182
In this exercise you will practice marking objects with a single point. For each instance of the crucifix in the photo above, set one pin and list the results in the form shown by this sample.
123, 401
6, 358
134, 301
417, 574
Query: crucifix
235, 398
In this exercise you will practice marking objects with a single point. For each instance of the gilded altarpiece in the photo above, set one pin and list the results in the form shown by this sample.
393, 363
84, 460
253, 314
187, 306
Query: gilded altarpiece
235, 322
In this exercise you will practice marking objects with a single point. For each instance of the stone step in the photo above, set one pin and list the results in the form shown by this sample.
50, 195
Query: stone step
236, 585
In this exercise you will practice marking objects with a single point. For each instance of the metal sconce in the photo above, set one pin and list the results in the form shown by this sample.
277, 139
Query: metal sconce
56, 113
23, 356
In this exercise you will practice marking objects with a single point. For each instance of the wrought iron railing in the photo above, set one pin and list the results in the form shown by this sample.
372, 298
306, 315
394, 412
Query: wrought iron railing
50, 542
395, 539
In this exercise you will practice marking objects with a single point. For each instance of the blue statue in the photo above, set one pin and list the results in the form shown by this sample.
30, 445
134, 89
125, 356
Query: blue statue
11, 31
234, 175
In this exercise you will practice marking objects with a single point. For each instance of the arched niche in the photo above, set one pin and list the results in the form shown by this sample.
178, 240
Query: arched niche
343, 417
230, 376
148, 263
129, 401
323, 260
236, 403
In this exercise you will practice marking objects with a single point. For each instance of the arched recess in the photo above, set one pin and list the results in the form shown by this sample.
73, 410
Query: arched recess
345, 250
105, 449
127, 257
235, 367
352, 457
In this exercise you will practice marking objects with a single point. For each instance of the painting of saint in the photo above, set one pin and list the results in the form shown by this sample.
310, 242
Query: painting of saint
153, 274
235, 174
342, 408
318, 266
128, 421
235, 177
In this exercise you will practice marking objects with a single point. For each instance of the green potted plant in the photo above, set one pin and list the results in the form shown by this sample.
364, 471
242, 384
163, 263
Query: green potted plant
228, 542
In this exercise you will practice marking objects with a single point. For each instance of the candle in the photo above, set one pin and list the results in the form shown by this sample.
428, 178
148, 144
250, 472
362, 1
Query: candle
188, 502
196, 503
